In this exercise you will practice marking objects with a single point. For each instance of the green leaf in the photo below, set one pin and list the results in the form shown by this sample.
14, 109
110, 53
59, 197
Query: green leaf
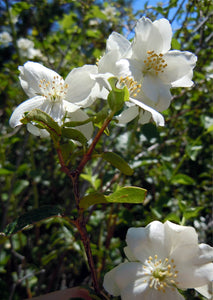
44, 121
30, 218
123, 195
129, 194
117, 97
175, 44
77, 123
193, 150
192, 212
20, 185
94, 198
210, 129
118, 162
74, 134
5, 172
182, 179
67, 150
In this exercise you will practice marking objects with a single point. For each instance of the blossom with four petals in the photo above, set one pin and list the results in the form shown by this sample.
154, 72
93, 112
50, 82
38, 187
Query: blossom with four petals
162, 259
49, 92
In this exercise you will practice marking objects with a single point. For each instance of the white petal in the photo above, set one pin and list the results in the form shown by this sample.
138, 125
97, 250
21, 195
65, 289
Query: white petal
185, 81
107, 64
191, 272
128, 115
151, 36
117, 42
144, 117
148, 241
206, 253
70, 107
180, 235
82, 89
30, 76
37, 131
157, 92
139, 293
86, 129
165, 30
25, 106
130, 67
129, 254
179, 65
124, 277
206, 290
157, 117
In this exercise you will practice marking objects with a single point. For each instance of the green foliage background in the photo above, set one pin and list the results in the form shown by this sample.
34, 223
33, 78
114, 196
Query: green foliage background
174, 163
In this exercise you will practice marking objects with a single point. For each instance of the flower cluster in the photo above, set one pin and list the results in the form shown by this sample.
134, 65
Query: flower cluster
147, 67
162, 258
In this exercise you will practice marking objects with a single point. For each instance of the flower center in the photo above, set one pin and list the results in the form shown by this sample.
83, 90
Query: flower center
155, 62
54, 90
161, 274
132, 85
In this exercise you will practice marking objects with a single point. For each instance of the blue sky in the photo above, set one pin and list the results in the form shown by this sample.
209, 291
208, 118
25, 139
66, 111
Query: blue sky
139, 4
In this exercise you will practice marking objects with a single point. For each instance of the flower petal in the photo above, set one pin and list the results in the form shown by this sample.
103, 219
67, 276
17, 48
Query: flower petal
179, 64
28, 105
206, 290
124, 277
86, 129
157, 117
191, 272
30, 76
150, 36
117, 42
148, 241
180, 235
128, 115
107, 64
82, 88
157, 92
37, 131
139, 293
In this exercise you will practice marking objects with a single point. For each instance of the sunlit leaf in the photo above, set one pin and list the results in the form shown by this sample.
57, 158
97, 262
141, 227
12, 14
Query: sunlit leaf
130, 194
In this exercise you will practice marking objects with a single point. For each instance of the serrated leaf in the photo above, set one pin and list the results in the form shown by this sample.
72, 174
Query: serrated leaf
31, 217
74, 134
118, 162
43, 120
129, 194
182, 179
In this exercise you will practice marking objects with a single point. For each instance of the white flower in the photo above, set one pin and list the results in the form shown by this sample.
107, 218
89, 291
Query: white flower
50, 93
119, 47
5, 38
24, 46
154, 66
162, 258
110, 12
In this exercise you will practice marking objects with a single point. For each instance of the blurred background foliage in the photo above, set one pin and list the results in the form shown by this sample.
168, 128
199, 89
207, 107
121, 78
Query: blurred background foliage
174, 163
